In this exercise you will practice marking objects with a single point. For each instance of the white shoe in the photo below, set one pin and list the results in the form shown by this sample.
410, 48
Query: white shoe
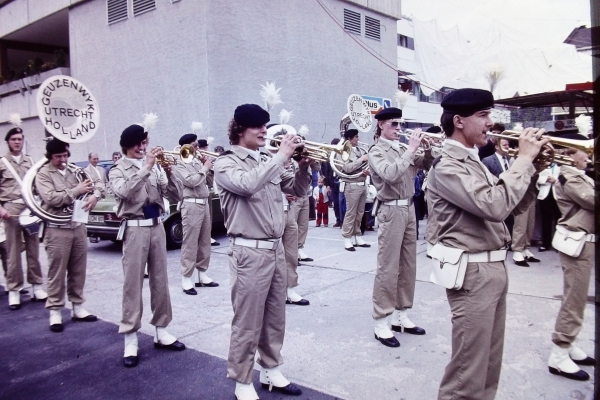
518, 256
131, 345
348, 244
579, 356
292, 295
186, 282
163, 337
381, 328
38, 293
14, 299
81, 314
245, 391
273, 377
561, 364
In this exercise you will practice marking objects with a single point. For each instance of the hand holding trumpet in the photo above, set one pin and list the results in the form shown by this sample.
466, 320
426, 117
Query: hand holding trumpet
531, 142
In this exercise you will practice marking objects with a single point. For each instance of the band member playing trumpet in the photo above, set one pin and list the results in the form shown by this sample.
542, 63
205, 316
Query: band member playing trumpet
355, 191
66, 245
15, 162
574, 192
195, 217
139, 187
470, 205
251, 185
393, 169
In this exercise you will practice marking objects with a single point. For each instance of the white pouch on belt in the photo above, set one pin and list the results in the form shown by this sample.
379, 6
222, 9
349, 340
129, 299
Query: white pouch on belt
568, 242
448, 267
342, 186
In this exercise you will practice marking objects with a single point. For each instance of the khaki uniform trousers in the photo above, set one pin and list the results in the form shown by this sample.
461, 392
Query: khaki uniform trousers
145, 244
195, 249
478, 320
394, 287
14, 244
300, 209
290, 246
258, 293
356, 197
577, 275
523, 229
67, 257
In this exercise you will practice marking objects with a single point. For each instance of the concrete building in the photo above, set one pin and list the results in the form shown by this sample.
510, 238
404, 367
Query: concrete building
197, 60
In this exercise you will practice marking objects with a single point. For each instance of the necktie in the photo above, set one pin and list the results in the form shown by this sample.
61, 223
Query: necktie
505, 159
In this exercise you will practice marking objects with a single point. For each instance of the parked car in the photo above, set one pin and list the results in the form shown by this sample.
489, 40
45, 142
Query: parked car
103, 223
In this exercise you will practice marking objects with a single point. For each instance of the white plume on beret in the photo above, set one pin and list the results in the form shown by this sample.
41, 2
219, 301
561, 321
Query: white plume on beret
584, 124
284, 116
197, 127
270, 95
210, 139
149, 122
518, 127
401, 98
15, 119
303, 130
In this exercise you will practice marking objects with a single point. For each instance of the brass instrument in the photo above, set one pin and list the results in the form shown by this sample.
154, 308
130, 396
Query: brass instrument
436, 136
316, 151
548, 154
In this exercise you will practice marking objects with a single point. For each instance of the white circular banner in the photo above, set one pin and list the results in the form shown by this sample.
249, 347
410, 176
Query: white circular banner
67, 109
360, 113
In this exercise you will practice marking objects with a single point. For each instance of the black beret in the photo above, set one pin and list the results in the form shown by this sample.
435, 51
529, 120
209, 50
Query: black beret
132, 135
56, 146
388, 113
434, 129
251, 115
202, 143
350, 133
13, 131
188, 138
468, 101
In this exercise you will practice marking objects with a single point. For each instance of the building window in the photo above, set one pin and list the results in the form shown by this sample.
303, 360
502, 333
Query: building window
372, 28
142, 6
405, 41
116, 10
352, 21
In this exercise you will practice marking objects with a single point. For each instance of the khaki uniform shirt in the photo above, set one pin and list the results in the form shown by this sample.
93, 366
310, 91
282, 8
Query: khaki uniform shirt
134, 188
10, 189
353, 165
251, 192
57, 191
393, 171
98, 176
575, 199
470, 204
193, 177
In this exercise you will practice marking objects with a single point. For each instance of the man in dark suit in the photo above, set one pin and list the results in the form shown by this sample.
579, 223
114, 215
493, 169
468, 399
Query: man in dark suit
497, 163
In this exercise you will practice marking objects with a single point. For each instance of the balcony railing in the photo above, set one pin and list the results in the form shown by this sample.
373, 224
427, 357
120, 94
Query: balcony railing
30, 82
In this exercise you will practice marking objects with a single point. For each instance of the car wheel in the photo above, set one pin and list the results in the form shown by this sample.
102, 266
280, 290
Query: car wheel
174, 231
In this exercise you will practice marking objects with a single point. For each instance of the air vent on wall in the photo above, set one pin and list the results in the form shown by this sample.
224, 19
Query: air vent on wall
116, 10
352, 21
372, 28
142, 6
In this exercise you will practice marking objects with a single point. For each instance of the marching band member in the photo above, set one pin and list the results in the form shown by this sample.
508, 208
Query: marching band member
195, 217
251, 185
574, 192
66, 245
210, 178
470, 205
139, 187
393, 169
13, 168
355, 191
97, 174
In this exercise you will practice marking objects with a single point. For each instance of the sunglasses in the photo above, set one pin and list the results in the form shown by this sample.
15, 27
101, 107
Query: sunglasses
395, 124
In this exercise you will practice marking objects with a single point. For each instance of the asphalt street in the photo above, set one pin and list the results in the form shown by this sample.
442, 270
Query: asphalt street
329, 348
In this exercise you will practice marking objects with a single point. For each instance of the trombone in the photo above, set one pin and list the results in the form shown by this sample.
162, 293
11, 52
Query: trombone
548, 154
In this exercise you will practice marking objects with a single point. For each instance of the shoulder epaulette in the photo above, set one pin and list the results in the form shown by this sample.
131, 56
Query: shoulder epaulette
227, 152
435, 161
562, 179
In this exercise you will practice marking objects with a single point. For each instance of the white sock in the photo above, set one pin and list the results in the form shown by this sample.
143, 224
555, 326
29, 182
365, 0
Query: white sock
131, 344
186, 282
79, 311
382, 329
14, 297
292, 295
164, 337
273, 376
348, 243
518, 256
245, 391
55, 317
203, 277
359, 240
403, 319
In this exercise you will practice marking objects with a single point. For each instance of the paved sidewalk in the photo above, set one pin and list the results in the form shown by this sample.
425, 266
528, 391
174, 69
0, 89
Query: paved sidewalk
329, 345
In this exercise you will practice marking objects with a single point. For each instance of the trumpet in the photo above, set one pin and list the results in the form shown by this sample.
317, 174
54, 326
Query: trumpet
316, 151
436, 136
547, 154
